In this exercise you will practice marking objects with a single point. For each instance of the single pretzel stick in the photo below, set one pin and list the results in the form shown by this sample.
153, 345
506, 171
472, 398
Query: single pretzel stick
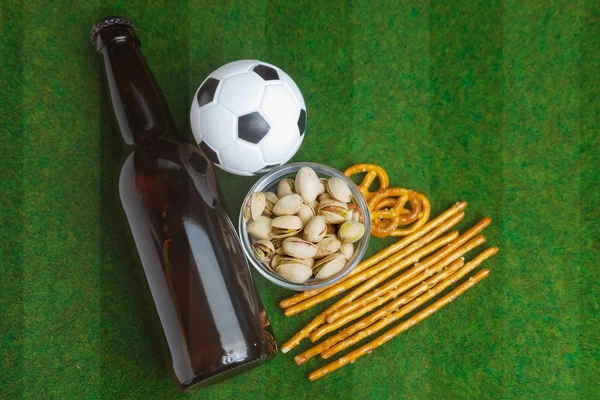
412, 252
389, 335
324, 345
383, 254
394, 283
372, 171
413, 305
319, 319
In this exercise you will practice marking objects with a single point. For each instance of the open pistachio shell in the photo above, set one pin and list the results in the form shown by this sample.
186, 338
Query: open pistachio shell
254, 206
286, 226
330, 244
263, 250
271, 200
288, 205
285, 187
309, 261
353, 213
347, 249
334, 212
339, 190
329, 265
298, 248
351, 231
307, 184
324, 196
275, 261
306, 213
315, 230
294, 272
261, 228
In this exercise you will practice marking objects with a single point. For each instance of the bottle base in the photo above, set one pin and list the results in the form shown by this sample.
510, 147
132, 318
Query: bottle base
230, 372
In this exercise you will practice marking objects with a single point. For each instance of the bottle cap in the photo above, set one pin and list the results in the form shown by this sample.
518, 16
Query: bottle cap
107, 22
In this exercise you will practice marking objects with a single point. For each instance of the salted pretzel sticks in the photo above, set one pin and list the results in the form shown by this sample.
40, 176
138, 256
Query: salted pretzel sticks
381, 290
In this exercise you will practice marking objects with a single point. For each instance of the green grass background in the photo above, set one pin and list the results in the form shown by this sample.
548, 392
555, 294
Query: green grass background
492, 102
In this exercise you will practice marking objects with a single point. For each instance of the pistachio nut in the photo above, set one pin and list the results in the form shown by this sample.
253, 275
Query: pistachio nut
329, 265
314, 205
254, 206
315, 230
347, 249
324, 196
259, 229
276, 243
263, 250
279, 251
323, 188
351, 231
298, 248
286, 226
296, 272
271, 200
353, 213
333, 211
275, 261
330, 244
285, 187
306, 213
339, 190
309, 261
288, 205
307, 184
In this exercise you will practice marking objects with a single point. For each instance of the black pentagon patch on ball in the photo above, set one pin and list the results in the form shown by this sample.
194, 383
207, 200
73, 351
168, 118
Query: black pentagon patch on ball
208, 152
252, 127
206, 94
266, 72
302, 122
199, 163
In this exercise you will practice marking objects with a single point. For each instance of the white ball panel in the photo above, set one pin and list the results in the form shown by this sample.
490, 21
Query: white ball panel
278, 144
233, 68
242, 156
241, 93
233, 171
279, 107
195, 121
294, 150
293, 88
219, 126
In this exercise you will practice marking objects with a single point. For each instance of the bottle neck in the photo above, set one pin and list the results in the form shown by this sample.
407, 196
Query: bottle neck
138, 104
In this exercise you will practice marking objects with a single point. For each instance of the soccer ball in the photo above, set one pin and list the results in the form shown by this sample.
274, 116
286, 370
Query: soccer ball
248, 117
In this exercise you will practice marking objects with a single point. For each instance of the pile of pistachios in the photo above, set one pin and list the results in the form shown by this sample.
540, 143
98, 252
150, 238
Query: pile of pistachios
307, 229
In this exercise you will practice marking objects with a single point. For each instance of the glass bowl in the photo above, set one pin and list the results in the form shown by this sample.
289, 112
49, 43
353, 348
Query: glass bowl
269, 183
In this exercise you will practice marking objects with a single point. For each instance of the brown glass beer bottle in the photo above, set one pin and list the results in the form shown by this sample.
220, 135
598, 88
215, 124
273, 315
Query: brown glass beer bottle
210, 314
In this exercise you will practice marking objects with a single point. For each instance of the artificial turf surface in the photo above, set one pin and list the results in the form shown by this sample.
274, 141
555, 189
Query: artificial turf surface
492, 102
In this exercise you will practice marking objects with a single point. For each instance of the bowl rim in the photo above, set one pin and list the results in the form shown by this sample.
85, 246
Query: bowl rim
266, 182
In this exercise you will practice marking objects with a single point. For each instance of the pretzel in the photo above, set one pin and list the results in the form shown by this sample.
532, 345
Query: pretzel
409, 323
395, 283
324, 345
373, 171
319, 319
419, 214
383, 254
393, 314
363, 305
